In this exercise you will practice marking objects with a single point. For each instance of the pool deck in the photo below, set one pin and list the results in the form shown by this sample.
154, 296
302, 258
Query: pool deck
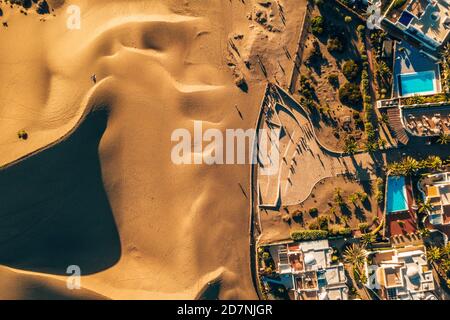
410, 60
407, 217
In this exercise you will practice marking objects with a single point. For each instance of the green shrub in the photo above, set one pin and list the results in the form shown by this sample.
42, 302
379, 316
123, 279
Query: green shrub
348, 19
350, 94
361, 29
318, 25
353, 198
343, 232
335, 45
379, 190
306, 89
363, 227
362, 196
322, 221
333, 79
309, 235
22, 134
313, 225
350, 70
313, 211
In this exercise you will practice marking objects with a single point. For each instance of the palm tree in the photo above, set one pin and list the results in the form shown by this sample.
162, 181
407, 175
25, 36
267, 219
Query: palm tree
446, 52
350, 146
434, 254
425, 207
371, 147
355, 255
353, 198
396, 168
338, 199
446, 250
368, 238
382, 143
385, 71
424, 232
410, 165
444, 138
434, 162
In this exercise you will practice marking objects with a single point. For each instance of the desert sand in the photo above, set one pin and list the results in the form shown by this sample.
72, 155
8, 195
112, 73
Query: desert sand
94, 185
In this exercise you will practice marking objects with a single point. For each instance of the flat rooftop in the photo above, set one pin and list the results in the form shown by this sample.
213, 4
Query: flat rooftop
432, 18
427, 120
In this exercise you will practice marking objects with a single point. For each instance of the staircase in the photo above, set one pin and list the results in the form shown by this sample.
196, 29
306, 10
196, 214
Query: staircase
396, 125
283, 256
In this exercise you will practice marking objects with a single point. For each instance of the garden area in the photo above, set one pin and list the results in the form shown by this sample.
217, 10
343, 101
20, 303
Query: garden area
338, 206
439, 258
334, 84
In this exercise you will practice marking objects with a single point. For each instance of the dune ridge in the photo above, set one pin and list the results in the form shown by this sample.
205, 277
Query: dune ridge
183, 231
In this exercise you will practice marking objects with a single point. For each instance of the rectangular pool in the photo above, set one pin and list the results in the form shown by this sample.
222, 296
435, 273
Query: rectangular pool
396, 195
417, 83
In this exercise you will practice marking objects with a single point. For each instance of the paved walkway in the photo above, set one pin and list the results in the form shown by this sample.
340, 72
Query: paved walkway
303, 162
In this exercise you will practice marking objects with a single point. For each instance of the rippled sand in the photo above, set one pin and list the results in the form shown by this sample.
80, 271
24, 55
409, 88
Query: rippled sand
94, 184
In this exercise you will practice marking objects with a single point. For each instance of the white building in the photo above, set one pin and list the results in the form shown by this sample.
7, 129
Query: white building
427, 21
400, 274
435, 189
308, 273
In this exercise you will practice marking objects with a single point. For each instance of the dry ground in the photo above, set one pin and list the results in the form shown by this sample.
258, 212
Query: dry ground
329, 128
276, 229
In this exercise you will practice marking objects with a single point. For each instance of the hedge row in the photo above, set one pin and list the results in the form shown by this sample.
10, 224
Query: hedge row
309, 235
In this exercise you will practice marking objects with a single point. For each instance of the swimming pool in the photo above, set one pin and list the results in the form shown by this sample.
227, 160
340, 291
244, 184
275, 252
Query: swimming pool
417, 83
396, 195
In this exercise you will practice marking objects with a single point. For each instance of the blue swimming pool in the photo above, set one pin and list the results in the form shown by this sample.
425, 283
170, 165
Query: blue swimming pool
396, 194
406, 18
417, 83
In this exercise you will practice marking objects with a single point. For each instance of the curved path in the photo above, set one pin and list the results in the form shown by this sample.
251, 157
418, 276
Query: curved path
304, 161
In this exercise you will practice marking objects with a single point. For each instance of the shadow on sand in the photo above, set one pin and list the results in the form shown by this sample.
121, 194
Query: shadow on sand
54, 211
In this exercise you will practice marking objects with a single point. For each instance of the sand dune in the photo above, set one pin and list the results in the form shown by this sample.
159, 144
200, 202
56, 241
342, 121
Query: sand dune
94, 184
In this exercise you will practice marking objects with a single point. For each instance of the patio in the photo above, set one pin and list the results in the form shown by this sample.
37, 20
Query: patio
427, 121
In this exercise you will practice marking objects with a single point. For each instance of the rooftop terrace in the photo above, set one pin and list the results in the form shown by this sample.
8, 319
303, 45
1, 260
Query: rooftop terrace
428, 17
427, 121
402, 274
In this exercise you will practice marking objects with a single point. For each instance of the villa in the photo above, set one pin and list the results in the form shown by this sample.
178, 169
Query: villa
426, 22
307, 272
435, 188
415, 76
400, 274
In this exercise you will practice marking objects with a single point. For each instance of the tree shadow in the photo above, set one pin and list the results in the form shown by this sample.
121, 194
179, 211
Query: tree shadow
360, 215
54, 208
